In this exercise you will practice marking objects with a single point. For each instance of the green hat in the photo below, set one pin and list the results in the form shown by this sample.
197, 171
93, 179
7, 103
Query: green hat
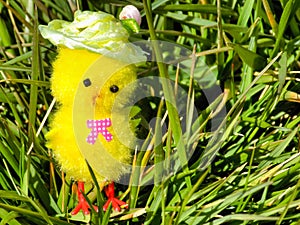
98, 32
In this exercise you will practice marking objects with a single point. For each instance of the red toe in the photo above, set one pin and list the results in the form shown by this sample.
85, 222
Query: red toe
116, 203
82, 203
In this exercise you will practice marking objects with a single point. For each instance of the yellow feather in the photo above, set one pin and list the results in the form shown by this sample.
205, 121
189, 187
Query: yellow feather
68, 73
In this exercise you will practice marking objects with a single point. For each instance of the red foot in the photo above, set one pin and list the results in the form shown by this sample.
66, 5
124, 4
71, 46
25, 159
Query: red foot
82, 204
116, 203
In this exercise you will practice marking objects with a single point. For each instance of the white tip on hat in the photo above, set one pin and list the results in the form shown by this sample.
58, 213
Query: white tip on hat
132, 12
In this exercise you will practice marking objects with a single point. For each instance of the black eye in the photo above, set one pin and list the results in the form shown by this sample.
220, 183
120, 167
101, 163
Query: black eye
114, 88
87, 82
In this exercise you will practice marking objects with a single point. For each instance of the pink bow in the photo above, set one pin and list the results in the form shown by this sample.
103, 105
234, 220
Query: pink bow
98, 126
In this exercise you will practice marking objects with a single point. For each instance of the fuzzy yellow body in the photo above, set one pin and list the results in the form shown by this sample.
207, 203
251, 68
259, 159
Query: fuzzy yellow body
68, 71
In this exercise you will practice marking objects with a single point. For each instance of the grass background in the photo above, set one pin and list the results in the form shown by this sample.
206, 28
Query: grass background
252, 172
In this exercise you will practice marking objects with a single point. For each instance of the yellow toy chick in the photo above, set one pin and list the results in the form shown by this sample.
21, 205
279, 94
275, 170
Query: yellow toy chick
92, 69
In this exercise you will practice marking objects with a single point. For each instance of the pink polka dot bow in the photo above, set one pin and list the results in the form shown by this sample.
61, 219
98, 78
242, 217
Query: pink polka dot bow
98, 126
